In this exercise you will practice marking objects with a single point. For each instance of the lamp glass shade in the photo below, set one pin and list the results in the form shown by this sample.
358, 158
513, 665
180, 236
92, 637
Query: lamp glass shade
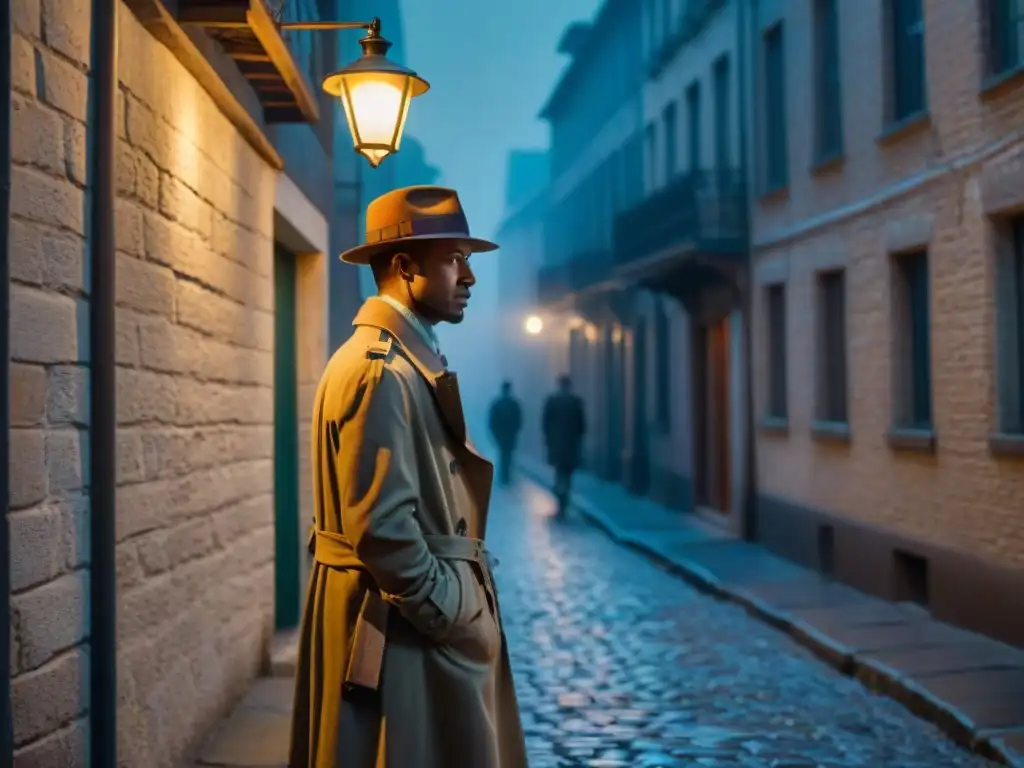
376, 106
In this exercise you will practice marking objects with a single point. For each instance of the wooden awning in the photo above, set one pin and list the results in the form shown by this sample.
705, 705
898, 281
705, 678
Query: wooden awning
247, 31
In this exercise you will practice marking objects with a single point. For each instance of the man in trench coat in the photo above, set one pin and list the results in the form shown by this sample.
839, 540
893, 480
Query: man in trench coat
402, 660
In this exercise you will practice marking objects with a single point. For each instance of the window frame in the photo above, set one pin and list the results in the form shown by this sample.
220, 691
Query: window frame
827, 79
776, 405
833, 407
912, 354
776, 135
906, 71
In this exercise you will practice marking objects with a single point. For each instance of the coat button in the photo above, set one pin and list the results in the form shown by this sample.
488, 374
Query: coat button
461, 527
453, 466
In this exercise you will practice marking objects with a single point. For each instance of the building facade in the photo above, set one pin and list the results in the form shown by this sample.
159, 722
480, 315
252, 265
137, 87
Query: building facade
224, 217
683, 251
888, 268
648, 264
524, 360
595, 120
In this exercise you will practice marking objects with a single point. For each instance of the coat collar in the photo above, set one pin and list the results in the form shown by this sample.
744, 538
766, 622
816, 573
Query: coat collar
378, 313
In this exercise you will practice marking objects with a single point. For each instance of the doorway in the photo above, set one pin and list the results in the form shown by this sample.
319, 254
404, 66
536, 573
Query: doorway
286, 444
639, 466
712, 426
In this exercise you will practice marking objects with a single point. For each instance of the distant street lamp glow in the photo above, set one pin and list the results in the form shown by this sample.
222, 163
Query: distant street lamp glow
533, 325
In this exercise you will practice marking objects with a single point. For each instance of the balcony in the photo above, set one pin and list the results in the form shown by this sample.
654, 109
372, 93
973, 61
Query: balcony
695, 17
701, 213
559, 282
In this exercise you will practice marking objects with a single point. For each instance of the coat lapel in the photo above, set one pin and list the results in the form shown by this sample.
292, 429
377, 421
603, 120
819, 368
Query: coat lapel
443, 383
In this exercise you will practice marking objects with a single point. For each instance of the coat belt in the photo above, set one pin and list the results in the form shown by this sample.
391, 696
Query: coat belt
334, 550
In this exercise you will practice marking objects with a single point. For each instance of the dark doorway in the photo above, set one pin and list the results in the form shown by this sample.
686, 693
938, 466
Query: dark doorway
711, 416
286, 444
639, 464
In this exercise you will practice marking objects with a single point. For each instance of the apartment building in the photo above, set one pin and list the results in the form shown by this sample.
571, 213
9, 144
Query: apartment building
225, 208
888, 266
681, 253
595, 116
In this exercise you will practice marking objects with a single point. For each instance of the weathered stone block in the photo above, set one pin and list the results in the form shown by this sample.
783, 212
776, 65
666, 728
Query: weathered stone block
64, 460
26, 18
62, 85
144, 396
48, 200
130, 468
23, 66
46, 256
67, 27
66, 748
52, 618
37, 136
28, 467
145, 286
36, 555
75, 144
43, 326
28, 395
51, 696
67, 395
130, 237
128, 352
204, 403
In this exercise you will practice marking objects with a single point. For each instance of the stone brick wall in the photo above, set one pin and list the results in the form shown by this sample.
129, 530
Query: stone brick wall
195, 336
926, 185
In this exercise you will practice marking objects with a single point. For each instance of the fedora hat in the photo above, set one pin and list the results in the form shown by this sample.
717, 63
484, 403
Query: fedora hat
410, 214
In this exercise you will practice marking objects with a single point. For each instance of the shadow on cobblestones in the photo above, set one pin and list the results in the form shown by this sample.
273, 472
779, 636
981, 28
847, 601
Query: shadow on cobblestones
619, 663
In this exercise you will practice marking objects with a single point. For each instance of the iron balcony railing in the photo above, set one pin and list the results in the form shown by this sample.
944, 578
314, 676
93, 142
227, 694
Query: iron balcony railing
702, 211
557, 281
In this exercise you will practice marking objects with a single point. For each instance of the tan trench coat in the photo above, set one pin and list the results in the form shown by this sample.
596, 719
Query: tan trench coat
402, 659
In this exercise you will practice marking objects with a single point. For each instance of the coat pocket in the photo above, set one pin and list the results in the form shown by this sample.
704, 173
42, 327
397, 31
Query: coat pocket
474, 634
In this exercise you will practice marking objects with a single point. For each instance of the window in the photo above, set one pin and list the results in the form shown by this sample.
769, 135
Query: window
1010, 330
663, 367
776, 168
652, 160
1005, 35
669, 120
723, 134
913, 335
693, 125
776, 301
832, 347
906, 61
828, 127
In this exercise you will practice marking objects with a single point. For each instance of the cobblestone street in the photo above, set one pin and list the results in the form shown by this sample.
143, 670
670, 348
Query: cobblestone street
619, 663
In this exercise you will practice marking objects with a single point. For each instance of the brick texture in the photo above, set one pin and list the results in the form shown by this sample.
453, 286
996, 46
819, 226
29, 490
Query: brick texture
852, 215
195, 438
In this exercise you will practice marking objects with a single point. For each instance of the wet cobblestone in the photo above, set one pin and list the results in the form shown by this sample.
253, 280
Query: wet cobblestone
619, 664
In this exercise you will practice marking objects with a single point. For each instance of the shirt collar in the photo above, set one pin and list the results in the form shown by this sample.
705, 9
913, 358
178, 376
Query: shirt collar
425, 330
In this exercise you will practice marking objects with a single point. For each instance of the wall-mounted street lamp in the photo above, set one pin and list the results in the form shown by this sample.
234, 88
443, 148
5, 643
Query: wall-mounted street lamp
533, 325
374, 91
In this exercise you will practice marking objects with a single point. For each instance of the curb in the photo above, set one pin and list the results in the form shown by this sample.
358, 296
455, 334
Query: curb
872, 674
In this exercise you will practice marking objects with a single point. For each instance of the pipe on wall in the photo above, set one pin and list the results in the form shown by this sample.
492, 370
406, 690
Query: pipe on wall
6, 723
103, 404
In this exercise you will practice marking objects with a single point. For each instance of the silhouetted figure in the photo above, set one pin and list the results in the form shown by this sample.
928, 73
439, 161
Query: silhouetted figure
505, 421
564, 427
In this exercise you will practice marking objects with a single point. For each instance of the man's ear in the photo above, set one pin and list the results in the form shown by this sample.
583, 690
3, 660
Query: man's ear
406, 266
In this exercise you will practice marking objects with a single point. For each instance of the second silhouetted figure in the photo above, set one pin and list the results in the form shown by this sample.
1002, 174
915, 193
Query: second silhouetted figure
564, 426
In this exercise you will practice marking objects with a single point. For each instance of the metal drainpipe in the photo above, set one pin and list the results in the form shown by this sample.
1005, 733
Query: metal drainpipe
6, 724
103, 411
743, 39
